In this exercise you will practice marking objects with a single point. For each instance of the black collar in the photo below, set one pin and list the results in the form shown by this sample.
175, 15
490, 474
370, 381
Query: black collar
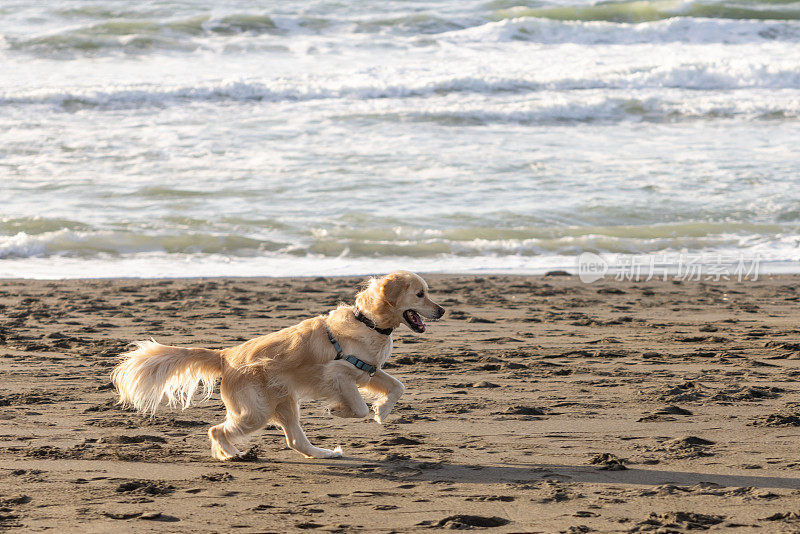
370, 323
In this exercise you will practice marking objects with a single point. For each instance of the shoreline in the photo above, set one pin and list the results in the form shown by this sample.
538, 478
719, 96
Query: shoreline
153, 267
551, 274
542, 401
614, 274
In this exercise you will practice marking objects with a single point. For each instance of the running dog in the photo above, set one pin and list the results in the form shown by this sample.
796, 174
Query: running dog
328, 357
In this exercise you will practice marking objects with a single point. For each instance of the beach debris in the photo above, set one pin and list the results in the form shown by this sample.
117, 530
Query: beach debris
489, 498
395, 457
610, 291
557, 272
19, 499
158, 516
250, 456
677, 520
307, 525
608, 462
8, 514
217, 477
442, 361
784, 345
122, 515
687, 391
554, 490
693, 441
485, 384
401, 440
664, 414
146, 486
778, 419
465, 521
674, 410
687, 447
124, 440
585, 513
752, 393
691, 339
519, 409
783, 516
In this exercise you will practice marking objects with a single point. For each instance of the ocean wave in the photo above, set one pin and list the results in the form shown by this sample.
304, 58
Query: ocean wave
565, 245
38, 225
648, 11
201, 32
109, 31
414, 24
671, 30
87, 244
540, 241
406, 242
142, 35
603, 110
689, 76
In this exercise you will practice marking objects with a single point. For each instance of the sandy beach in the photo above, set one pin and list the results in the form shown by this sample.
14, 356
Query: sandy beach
537, 404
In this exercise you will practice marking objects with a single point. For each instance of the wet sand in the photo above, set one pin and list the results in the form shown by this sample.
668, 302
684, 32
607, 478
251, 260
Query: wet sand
538, 404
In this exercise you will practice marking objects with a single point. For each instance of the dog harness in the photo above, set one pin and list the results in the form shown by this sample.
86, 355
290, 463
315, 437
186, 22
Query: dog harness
361, 364
370, 323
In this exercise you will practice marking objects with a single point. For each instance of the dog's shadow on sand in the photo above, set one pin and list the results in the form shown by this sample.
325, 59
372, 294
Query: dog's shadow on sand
412, 470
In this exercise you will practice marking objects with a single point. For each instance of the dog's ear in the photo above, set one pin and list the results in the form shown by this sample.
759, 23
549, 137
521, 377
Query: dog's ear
392, 286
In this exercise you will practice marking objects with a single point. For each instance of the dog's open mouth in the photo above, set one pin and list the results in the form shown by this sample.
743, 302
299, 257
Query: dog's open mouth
414, 321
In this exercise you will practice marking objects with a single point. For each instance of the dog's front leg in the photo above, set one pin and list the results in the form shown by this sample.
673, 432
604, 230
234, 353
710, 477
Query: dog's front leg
348, 402
389, 389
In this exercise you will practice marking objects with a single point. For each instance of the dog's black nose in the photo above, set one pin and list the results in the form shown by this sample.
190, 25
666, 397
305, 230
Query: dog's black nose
440, 311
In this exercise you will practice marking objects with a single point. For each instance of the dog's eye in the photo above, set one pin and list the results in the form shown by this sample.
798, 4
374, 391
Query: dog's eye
421, 294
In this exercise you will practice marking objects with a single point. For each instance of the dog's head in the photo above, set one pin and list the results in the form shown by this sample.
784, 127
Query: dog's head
398, 298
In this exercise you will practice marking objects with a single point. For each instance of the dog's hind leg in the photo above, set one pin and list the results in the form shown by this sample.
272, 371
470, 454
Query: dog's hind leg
247, 412
222, 448
287, 416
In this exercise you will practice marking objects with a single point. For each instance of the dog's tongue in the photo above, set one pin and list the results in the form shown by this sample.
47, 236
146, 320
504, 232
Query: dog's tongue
416, 319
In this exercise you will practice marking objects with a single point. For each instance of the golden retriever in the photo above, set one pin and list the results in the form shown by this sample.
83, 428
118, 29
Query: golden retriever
328, 358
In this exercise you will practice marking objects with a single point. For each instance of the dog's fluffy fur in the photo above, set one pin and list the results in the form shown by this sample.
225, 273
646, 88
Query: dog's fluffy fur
264, 379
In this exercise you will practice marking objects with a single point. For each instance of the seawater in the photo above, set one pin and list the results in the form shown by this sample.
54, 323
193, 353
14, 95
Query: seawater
200, 138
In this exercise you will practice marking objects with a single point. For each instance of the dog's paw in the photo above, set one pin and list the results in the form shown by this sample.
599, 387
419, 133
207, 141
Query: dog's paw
325, 453
225, 455
376, 411
382, 411
379, 417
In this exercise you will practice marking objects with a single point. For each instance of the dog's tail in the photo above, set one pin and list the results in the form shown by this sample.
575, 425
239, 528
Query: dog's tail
154, 371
